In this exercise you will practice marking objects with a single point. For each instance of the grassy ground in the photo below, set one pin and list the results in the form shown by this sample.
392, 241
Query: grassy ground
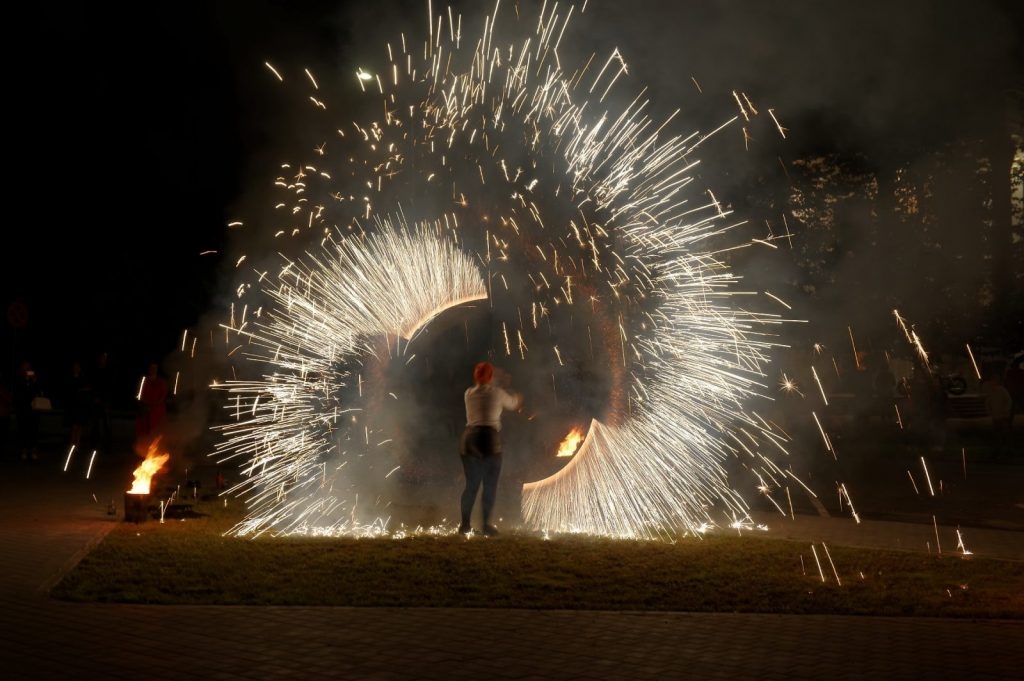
192, 561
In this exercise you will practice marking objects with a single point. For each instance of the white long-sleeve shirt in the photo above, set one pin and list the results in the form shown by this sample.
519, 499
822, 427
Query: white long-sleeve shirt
484, 404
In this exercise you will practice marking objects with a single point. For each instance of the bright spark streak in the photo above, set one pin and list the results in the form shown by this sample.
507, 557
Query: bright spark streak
960, 544
274, 71
845, 494
821, 388
912, 337
778, 300
927, 477
782, 131
834, 571
818, 561
970, 354
824, 437
311, 79
912, 482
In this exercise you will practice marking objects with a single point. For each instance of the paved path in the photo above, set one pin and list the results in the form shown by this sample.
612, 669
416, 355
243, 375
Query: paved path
48, 519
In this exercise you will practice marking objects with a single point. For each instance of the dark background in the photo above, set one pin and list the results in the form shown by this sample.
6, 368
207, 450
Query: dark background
137, 134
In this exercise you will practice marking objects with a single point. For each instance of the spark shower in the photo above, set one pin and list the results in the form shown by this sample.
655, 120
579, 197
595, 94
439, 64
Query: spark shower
477, 169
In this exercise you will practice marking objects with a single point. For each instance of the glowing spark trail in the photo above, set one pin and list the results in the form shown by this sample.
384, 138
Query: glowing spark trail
960, 544
974, 364
834, 571
846, 495
918, 493
92, 459
532, 201
927, 477
274, 71
818, 561
820, 387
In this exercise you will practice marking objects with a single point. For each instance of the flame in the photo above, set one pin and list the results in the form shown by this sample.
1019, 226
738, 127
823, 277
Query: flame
147, 469
571, 442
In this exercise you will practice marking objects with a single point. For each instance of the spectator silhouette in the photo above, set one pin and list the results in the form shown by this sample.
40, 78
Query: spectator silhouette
6, 408
102, 390
26, 389
999, 405
77, 404
927, 408
152, 408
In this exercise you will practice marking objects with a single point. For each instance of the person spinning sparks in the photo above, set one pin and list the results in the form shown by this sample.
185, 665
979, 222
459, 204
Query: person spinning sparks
480, 446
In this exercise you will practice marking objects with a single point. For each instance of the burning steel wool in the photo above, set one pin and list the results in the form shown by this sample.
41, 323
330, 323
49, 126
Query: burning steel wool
492, 178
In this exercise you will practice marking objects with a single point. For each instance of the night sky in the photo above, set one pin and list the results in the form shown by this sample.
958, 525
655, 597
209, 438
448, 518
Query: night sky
138, 134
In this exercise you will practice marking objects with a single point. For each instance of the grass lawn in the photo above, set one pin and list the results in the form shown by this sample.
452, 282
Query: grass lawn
191, 561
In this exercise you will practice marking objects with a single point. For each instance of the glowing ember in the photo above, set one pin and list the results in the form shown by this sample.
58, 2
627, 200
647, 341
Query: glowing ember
571, 442
152, 464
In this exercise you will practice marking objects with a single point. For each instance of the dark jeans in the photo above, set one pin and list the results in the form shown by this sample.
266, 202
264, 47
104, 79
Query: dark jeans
28, 430
101, 429
481, 462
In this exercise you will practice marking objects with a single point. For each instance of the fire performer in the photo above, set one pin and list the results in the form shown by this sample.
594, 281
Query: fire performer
480, 447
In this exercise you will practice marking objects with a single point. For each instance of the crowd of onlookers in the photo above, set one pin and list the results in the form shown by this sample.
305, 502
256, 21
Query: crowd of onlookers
83, 399
865, 394
867, 388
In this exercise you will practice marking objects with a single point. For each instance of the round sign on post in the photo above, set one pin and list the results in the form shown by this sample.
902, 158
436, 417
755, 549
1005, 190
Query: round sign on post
17, 314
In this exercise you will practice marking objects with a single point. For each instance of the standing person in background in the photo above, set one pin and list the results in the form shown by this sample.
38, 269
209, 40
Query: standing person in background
927, 402
152, 409
999, 405
480, 447
100, 425
1013, 379
77, 403
26, 389
6, 408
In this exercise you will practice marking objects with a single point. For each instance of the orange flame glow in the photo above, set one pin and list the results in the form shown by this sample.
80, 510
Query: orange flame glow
571, 442
147, 469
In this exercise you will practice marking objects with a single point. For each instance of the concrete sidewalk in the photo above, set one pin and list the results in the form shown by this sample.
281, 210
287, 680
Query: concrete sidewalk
48, 519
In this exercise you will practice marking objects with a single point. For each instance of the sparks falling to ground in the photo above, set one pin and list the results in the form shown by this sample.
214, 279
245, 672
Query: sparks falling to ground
491, 174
